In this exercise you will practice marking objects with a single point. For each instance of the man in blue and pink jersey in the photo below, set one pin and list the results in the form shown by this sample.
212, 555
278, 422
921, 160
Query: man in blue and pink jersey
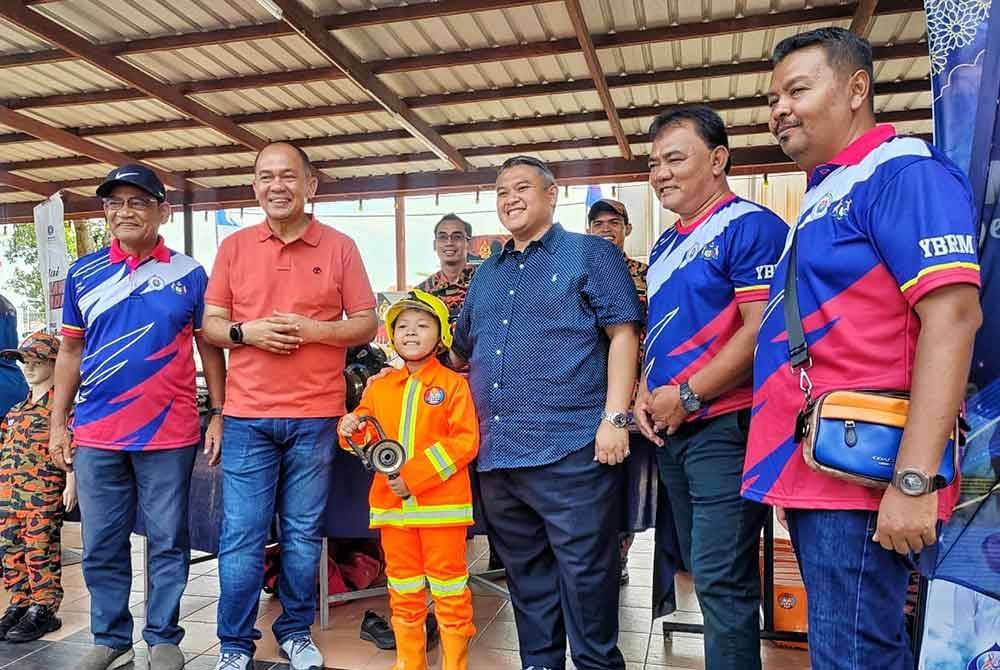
887, 284
131, 315
707, 284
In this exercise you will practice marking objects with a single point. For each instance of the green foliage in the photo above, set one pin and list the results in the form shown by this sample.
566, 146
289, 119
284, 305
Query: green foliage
20, 250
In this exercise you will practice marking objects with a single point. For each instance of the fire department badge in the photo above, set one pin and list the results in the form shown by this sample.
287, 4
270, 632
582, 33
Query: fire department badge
434, 395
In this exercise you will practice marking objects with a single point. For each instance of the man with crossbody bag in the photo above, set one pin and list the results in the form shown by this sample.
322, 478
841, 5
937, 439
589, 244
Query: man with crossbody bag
863, 351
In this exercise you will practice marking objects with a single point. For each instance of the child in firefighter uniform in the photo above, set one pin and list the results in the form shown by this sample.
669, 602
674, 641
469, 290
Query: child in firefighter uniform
34, 494
423, 514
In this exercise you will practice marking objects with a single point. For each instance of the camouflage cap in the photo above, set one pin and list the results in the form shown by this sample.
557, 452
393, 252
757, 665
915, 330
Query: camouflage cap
38, 345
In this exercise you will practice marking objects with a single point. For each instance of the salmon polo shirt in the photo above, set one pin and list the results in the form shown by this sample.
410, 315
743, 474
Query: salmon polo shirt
321, 276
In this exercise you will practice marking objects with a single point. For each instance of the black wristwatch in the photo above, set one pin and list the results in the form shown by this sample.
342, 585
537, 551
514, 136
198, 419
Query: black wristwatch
236, 332
689, 399
215, 411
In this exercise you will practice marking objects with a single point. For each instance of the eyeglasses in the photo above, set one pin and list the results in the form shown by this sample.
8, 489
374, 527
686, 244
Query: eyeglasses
136, 203
454, 237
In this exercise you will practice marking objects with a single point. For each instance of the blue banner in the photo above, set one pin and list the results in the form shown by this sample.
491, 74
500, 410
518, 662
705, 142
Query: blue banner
964, 42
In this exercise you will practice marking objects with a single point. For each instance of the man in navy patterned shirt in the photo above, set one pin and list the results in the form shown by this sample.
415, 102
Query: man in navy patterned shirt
550, 331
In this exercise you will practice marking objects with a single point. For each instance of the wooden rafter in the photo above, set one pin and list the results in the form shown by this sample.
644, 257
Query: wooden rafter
60, 137
864, 17
579, 22
311, 30
493, 54
272, 29
482, 127
532, 147
25, 184
102, 58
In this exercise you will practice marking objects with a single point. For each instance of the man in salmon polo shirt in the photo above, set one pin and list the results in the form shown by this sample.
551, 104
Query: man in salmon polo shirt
277, 298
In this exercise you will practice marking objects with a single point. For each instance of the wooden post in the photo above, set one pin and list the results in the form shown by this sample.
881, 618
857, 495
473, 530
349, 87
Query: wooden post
84, 242
188, 225
400, 243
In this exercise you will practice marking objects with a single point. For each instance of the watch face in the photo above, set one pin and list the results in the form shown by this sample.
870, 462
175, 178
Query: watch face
912, 482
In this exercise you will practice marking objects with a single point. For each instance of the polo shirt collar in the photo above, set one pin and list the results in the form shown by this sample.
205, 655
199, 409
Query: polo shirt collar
311, 236
549, 241
855, 152
159, 253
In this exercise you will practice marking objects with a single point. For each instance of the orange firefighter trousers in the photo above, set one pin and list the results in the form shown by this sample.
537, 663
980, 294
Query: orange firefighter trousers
435, 556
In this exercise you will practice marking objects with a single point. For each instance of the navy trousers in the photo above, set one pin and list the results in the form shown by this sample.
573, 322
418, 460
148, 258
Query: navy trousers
556, 529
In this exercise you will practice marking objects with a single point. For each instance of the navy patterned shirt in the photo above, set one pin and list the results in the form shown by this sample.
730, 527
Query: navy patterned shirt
532, 330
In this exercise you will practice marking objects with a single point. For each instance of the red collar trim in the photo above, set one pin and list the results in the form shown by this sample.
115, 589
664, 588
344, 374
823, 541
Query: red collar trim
856, 151
160, 253
684, 230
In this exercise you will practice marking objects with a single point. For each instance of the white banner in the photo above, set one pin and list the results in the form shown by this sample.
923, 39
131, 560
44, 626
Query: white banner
53, 258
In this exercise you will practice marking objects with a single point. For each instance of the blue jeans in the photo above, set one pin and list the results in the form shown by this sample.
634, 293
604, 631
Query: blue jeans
856, 591
701, 467
268, 466
113, 486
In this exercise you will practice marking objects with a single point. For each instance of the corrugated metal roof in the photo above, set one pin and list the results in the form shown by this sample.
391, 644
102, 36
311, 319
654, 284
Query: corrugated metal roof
195, 67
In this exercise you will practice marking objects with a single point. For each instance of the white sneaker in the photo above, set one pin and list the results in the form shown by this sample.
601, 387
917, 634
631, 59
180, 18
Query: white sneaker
234, 660
302, 653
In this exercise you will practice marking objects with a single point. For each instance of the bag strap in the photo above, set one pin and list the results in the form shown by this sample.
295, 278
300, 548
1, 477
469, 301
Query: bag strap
798, 349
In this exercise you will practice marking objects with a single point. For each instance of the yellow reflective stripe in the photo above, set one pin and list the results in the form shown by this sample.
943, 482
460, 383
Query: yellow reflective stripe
406, 584
448, 587
424, 515
408, 418
441, 461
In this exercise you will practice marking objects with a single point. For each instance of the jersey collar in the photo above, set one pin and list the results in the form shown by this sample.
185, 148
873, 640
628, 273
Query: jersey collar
118, 255
855, 152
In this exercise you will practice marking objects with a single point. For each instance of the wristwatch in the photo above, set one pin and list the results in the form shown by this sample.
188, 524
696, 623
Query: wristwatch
689, 399
215, 411
616, 419
914, 482
236, 332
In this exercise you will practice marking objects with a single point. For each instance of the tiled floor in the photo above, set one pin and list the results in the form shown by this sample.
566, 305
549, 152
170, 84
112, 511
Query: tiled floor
493, 648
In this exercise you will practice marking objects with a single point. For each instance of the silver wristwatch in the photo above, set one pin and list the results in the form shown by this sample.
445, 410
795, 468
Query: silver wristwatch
690, 400
616, 419
913, 482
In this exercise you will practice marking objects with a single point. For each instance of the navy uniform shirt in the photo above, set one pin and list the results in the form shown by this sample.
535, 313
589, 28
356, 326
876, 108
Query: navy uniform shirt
532, 330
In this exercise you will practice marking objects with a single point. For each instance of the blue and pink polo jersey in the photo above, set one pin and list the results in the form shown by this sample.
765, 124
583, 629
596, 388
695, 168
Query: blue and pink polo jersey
884, 223
698, 276
137, 319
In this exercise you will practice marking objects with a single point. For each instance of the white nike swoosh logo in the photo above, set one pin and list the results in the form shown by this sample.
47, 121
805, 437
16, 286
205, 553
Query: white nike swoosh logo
120, 175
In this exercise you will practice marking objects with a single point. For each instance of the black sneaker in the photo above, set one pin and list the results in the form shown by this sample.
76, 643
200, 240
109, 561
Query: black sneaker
433, 637
39, 620
10, 619
376, 630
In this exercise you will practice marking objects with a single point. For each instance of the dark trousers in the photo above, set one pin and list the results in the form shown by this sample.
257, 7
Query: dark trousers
701, 467
556, 529
113, 487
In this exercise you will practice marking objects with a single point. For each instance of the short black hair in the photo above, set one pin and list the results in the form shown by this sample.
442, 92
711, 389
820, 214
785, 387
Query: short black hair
707, 123
844, 51
453, 217
306, 163
532, 162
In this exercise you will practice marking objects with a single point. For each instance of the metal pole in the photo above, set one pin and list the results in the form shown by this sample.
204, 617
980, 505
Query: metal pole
400, 243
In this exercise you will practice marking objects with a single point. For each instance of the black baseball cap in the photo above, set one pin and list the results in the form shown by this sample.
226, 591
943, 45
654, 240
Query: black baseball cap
607, 205
136, 175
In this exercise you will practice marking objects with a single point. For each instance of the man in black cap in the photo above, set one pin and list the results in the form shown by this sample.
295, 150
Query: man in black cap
130, 317
608, 218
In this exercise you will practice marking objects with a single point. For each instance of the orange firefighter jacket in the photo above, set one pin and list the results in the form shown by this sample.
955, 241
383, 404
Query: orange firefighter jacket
431, 414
